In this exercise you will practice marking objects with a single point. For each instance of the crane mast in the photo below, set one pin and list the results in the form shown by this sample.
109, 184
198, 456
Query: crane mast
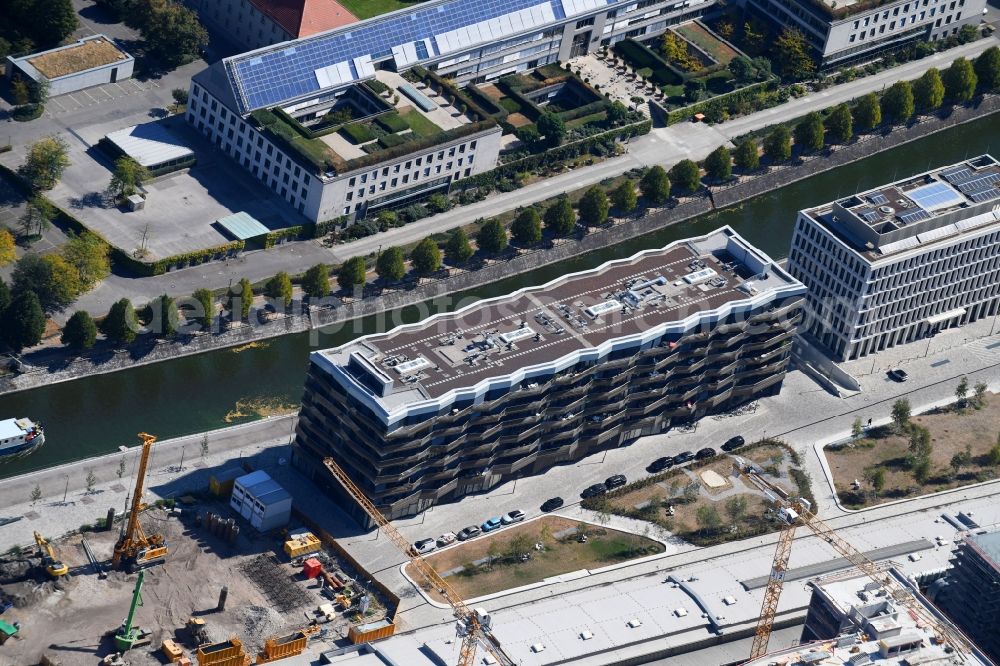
473, 627
134, 548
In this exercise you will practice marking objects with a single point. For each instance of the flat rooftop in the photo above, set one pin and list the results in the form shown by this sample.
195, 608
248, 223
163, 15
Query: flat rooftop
535, 326
85, 54
918, 210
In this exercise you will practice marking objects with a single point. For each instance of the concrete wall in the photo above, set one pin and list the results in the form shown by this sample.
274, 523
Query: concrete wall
91, 77
241, 22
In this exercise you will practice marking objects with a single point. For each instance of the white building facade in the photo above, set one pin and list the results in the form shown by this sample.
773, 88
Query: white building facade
903, 261
852, 32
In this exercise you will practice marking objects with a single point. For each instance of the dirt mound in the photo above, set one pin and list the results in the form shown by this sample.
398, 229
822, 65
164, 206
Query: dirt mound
259, 624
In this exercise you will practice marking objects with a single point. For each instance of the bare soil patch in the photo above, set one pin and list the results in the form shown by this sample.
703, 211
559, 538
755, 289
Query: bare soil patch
518, 120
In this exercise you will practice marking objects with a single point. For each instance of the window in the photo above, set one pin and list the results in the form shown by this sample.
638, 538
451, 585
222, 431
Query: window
351, 182
584, 22
349, 197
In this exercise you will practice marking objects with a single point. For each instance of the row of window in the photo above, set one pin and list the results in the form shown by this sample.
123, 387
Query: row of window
902, 23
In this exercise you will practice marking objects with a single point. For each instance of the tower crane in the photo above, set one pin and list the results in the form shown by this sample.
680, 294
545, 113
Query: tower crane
53, 565
473, 625
797, 511
136, 550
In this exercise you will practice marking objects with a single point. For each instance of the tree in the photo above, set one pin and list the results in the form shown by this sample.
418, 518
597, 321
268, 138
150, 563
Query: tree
206, 304
708, 519
624, 197
919, 447
20, 91
426, 257
5, 296
387, 219
36, 493
686, 175
778, 144
352, 273
809, 133
857, 429
519, 546
617, 113
877, 479
37, 216
180, 95
492, 237
960, 81
675, 50
80, 331
551, 127
928, 90
655, 186
204, 445
127, 177
39, 91
171, 31
793, 54
901, 414
742, 68
7, 247
987, 69
89, 255
694, 89
279, 288
979, 395
121, 467
55, 281
46, 161
960, 460
239, 299
528, 135
840, 124
56, 22
91, 480
493, 553
165, 316
120, 325
391, 264
962, 390
526, 229
23, 322
736, 507
747, 156
560, 219
719, 164
753, 38
458, 250
594, 207
897, 102
994, 455
316, 281
438, 203
868, 112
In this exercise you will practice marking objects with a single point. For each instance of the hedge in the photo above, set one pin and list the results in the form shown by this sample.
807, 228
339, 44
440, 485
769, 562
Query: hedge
528, 108
687, 112
289, 232
392, 140
585, 110
376, 86
27, 112
314, 154
423, 143
489, 105
392, 122
357, 133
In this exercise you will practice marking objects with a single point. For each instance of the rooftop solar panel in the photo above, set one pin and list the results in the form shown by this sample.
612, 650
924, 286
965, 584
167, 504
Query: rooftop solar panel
912, 216
273, 76
870, 216
957, 175
985, 195
935, 196
878, 199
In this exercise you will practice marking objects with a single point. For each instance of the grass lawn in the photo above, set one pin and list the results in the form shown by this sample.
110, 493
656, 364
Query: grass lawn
419, 123
951, 432
562, 553
707, 42
368, 8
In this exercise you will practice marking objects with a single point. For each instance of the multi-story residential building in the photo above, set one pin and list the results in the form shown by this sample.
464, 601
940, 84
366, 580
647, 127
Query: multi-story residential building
510, 386
846, 32
465, 40
971, 596
257, 23
901, 262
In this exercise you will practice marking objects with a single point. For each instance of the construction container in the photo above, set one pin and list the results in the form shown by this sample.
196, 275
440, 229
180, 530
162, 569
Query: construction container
221, 483
226, 653
303, 544
262, 501
283, 646
172, 651
311, 568
370, 631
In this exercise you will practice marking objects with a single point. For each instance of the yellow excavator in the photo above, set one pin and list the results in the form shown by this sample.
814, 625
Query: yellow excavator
135, 550
53, 564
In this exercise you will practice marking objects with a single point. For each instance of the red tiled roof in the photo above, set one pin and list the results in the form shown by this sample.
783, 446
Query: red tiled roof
301, 18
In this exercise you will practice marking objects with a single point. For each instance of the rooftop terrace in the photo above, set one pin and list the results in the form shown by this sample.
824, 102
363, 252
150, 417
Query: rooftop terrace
523, 335
917, 210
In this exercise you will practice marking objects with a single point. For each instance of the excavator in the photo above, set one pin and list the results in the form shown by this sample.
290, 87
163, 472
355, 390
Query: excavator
53, 565
135, 549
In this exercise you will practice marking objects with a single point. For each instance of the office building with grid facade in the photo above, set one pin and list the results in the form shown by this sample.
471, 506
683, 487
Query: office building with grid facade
903, 261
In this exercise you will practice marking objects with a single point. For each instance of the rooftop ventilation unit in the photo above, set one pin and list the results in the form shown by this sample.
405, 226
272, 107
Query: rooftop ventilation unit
514, 336
700, 276
407, 367
595, 311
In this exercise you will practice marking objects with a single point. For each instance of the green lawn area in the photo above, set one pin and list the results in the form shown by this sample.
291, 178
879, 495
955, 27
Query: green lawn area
420, 125
707, 42
368, 8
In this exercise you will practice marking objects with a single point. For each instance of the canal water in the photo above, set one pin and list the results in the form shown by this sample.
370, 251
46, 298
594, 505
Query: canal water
95, 415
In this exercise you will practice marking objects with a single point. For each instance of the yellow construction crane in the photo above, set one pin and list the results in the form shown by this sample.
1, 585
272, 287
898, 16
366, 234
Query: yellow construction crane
134, 549
473, 625
53, 564
795, 511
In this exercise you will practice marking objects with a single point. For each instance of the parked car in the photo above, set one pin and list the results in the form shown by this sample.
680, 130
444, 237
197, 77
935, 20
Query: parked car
898, 375
491, 524
552, 504
660, 464
514, 516
707, 452
468, 533
734, 443
683, 457
424, 546
594, 490
446, 539
616, 481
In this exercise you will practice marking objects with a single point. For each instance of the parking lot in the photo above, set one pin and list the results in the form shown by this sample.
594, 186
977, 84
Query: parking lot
107, 94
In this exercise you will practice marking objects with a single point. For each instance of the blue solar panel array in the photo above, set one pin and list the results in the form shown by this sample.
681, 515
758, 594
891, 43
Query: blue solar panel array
270, 78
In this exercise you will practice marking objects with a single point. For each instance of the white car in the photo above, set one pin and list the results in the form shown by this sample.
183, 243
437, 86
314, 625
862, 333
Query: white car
446, 539
514, 516
424, 546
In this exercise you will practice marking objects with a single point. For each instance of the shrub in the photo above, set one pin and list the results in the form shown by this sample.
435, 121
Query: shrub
357, 133
392, 122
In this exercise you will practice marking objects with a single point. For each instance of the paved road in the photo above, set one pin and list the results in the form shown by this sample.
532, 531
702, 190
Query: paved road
665, 146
